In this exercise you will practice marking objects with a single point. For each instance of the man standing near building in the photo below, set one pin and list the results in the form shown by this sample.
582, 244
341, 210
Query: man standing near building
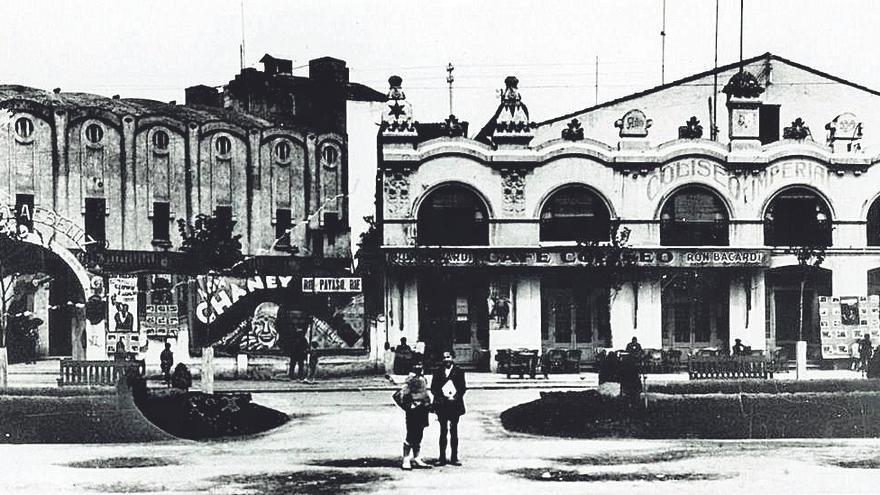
448, 387
298, 353
166, 360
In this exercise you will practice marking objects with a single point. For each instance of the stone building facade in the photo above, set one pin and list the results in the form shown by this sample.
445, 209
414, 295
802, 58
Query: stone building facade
490, 242
102, 182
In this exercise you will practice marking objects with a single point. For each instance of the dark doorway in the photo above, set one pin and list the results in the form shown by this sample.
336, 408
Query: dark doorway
453, 315
783, 289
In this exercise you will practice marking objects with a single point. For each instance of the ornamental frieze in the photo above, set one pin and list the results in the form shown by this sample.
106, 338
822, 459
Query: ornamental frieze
513, 189
397, 195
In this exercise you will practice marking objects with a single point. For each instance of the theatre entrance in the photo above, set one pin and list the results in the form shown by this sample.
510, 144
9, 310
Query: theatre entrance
453, 314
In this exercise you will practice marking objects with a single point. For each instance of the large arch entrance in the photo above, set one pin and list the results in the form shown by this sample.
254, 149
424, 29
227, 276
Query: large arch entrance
43, 302
782, 292
453, 313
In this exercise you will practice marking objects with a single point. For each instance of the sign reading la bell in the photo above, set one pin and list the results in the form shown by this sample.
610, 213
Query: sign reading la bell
331, 284
664, 257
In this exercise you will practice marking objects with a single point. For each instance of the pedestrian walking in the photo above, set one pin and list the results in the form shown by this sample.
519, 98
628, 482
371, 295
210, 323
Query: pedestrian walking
448, 386
414, 398
166, 360
299, 352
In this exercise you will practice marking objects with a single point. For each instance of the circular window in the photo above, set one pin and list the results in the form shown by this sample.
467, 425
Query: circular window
94, 133
330, 155
160, 140
24, 127
223, 145
282, 151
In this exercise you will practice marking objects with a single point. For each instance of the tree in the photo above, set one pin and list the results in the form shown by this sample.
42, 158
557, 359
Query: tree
809, 258
213, 251
369, 267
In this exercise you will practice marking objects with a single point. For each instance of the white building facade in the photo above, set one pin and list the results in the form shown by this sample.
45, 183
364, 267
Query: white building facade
489, 242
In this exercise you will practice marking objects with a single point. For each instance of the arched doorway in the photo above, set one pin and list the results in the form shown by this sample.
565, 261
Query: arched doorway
782, 292
43, 302
873, 227
694, 216
453, 310
797, 216
575, 311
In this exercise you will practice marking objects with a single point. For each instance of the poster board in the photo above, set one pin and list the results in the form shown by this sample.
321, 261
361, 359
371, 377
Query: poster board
845, 319
123, 325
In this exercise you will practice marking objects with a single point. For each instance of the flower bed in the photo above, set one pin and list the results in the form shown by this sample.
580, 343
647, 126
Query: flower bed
586, 414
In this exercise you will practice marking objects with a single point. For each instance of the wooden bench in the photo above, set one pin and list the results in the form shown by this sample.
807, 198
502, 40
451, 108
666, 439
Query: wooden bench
730, 367
96, 373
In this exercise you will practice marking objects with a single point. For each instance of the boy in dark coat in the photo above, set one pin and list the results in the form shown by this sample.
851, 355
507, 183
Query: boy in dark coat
448, 387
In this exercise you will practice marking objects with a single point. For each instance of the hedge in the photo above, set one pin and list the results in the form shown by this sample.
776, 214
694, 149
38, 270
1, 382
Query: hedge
764, 386
586, 414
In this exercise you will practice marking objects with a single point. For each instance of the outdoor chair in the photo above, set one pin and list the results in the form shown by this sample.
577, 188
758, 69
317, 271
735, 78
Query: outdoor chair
573, 361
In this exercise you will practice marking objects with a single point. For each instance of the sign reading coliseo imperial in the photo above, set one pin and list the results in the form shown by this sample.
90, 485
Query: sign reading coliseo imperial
663, 257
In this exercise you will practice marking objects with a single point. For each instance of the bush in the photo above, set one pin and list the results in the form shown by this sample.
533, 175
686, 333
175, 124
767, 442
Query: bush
764, 386
715, 416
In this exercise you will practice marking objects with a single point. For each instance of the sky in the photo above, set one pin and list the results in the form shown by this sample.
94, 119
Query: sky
154, 49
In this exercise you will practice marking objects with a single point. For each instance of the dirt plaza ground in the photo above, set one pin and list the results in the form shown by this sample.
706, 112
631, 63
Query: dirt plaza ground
349, 442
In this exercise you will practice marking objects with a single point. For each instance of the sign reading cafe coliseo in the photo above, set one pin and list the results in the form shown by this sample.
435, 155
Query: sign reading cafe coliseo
666, 257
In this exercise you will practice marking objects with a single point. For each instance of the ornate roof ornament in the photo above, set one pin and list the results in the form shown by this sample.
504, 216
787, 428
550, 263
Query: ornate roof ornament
512, 123
691, 129
574, 131
397, 116
454, 127
633, 124
844, 126
743, 84
797, 130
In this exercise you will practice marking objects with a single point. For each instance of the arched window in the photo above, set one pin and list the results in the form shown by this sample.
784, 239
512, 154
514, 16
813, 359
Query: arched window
282, 151
223, 146
797, 217
160, 140
94, 133
453, 216
24, 127
694, 216
575, 213
874, 224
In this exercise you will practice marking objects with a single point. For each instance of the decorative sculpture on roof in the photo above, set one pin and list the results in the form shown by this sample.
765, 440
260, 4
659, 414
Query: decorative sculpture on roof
512, 123
454, 127
743, 84
844, 126
634, 124
797, 130
397, 116
691, 129
574, 131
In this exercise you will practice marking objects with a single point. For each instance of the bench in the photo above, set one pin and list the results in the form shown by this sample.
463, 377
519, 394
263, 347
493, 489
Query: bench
96, 373
730, 367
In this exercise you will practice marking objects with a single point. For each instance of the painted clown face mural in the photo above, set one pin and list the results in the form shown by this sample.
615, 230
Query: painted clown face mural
263, 335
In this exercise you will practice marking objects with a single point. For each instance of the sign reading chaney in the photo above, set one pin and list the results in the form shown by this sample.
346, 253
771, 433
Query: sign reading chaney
666, 257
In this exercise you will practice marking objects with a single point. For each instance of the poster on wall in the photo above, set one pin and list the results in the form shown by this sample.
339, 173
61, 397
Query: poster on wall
261, 315
843, 320
123, 330
163, 316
